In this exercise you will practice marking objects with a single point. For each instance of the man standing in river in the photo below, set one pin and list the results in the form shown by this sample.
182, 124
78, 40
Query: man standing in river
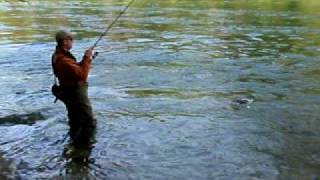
72, 76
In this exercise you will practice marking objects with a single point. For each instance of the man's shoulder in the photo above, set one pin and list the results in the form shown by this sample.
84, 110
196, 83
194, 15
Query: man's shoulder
57, 57
62, 56
64, 61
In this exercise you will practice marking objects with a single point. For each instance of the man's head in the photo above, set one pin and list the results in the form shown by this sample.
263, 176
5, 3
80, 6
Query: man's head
64, 39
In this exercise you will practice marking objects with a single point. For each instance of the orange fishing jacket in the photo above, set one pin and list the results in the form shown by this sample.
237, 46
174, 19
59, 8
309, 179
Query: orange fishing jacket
68, 70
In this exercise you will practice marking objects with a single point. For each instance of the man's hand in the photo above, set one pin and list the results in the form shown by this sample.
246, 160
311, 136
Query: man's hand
89, 52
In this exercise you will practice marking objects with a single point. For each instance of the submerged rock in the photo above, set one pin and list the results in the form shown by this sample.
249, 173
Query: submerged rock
239, 103
28, 119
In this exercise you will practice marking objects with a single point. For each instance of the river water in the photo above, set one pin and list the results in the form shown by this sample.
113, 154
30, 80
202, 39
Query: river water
206, 89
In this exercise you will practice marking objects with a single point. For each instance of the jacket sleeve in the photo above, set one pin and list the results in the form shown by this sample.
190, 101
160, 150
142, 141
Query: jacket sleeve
74, 70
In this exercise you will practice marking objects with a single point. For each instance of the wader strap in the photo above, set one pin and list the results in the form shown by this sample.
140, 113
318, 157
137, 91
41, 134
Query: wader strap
55, 81
54, 74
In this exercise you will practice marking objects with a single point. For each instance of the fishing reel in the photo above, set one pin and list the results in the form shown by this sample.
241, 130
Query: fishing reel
95, 55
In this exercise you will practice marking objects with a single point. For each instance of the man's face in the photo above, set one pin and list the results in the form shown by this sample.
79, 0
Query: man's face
67, 43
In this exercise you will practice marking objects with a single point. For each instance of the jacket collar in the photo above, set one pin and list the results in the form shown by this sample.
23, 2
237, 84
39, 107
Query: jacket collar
60, 50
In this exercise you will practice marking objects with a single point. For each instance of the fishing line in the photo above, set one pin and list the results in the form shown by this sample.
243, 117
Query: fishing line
113, 22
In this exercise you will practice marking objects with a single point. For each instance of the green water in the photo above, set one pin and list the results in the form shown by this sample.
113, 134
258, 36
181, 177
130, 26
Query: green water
206, 89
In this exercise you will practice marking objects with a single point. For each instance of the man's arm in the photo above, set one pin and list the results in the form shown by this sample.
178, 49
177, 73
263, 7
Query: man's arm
72, 70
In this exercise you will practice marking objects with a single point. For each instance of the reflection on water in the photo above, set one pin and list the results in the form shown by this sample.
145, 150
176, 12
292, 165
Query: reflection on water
77, 161
181, 90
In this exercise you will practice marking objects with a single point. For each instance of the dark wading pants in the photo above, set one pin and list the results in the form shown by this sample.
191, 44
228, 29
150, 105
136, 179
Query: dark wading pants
81, 121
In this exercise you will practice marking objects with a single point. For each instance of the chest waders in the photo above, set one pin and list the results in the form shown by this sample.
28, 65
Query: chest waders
81, 120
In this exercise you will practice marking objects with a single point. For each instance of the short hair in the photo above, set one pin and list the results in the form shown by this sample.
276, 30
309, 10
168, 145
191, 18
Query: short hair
62, 35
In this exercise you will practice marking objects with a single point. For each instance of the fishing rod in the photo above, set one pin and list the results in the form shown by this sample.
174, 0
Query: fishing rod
113, 22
